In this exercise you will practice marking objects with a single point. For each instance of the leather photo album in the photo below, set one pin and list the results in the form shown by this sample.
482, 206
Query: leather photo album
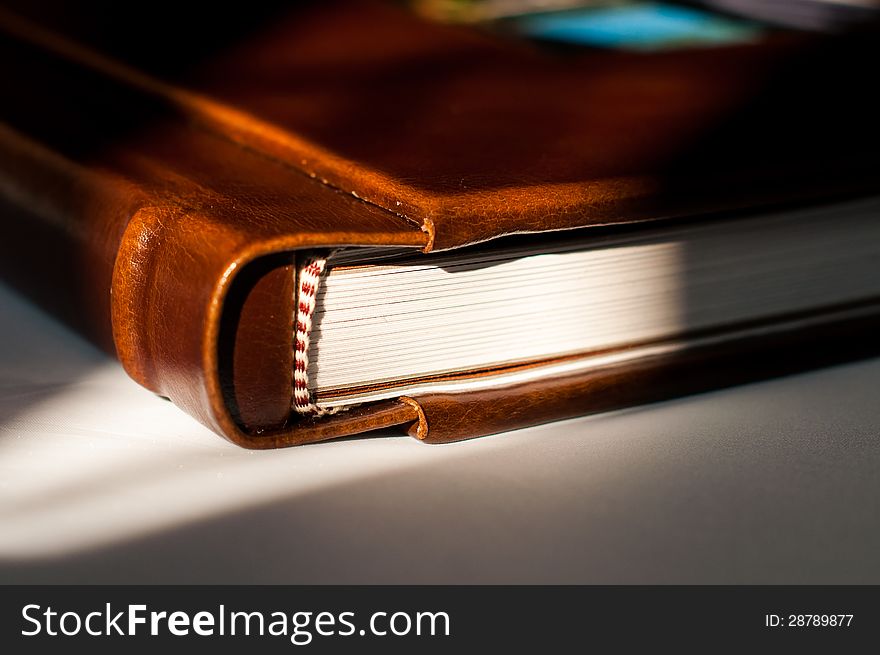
334, 218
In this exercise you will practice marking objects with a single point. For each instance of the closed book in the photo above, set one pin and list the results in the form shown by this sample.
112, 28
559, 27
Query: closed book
209, 214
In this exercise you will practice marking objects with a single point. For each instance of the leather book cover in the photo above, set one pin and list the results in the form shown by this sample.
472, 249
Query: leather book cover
155, 191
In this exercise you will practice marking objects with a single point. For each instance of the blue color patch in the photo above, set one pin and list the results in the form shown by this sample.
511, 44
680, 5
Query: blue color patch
643, 26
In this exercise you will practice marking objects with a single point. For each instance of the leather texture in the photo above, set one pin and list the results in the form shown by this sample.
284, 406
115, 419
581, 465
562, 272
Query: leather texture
472, 136
171, 246
168, 202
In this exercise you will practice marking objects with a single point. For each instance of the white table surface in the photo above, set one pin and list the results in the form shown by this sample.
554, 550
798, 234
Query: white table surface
100, 481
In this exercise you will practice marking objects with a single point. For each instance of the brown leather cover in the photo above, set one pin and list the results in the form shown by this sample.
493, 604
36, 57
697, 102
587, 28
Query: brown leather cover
159, 208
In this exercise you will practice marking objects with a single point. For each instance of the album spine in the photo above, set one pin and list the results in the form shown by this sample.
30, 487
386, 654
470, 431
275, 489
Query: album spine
63, 225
